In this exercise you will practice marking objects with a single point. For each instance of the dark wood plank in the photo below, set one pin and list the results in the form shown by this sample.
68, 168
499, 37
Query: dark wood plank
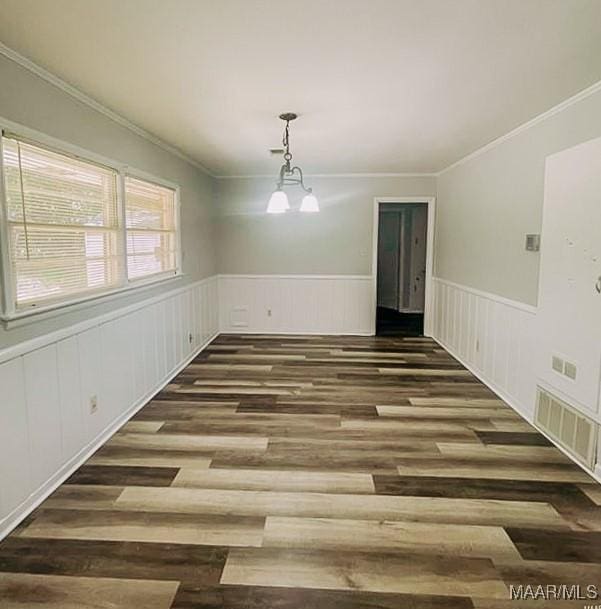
263, 597
123, 475
129, 560
559, 546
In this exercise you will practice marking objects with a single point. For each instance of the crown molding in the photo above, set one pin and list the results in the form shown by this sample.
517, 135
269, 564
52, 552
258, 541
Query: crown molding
332, 175
95, 105
566, 103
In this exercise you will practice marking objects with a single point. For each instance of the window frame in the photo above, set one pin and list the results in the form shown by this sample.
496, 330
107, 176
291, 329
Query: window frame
9, 313
146, 177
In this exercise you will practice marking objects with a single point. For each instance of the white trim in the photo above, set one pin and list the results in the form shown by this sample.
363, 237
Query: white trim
34, 314
6, 304
46, 339
92, 103
144, 176
291, 333
275, 276
429, 288
516, 304
525, 126
596, 474
8, 523
331, 175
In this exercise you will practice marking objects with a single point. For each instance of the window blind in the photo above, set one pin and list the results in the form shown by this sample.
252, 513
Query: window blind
150, 214
63, 224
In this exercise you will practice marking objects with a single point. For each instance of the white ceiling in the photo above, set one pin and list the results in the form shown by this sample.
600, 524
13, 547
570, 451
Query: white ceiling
382, 86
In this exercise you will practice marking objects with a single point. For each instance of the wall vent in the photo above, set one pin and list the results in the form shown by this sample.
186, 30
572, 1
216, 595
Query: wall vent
568, 427
557, 364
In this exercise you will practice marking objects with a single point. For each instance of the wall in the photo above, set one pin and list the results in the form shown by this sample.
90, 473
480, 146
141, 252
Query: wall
27, 99
486, 205
491, 335
337, 241
486, 289
47, 428
301, 272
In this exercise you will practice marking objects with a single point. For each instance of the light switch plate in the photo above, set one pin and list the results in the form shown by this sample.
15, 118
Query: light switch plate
533, 242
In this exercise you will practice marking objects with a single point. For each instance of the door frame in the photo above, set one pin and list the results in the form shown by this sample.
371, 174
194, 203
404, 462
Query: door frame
429, 288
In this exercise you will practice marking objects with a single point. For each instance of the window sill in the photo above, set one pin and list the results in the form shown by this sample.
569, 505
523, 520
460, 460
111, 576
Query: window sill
24, 317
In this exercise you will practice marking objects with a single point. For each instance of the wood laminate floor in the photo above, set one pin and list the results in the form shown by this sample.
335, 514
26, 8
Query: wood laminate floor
313, 473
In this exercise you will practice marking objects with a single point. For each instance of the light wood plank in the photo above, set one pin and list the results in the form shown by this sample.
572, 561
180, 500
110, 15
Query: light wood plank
366, 571
26, 591
371, 535
553, 472
323, 505
188, 442
275, 480
423, 372
441, 412
142, 426
500, 452
146, 527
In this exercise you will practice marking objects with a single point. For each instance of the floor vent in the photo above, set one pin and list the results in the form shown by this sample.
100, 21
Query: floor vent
568, 427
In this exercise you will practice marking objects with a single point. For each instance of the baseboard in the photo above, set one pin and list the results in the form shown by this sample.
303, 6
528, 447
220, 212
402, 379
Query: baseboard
596, 473
290, 332
37, 497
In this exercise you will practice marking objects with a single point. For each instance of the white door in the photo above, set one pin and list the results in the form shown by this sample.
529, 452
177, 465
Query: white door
569, 314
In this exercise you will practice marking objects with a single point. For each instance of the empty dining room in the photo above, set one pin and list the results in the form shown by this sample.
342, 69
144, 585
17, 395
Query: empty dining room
300, 304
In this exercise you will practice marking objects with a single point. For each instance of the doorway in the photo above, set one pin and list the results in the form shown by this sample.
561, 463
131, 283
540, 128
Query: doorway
402, 266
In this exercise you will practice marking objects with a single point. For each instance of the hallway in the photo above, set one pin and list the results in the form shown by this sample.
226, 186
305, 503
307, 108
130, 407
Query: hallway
318, 472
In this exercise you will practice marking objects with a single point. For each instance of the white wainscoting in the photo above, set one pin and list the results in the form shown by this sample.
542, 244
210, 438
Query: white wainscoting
296, 304
47, 428
492, 336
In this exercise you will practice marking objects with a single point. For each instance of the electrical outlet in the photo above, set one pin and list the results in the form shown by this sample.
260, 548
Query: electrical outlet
268, 312
93, 404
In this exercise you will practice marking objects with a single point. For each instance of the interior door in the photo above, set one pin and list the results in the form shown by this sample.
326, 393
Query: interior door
569, 312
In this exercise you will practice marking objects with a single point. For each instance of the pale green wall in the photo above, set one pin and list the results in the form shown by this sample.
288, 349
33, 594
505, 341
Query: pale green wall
31, 101
488, 204
337, 241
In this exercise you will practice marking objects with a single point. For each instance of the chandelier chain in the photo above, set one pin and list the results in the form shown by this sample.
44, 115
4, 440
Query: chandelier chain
286, 142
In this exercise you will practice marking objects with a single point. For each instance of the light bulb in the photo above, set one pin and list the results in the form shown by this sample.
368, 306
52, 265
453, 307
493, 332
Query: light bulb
309, 204
278, 203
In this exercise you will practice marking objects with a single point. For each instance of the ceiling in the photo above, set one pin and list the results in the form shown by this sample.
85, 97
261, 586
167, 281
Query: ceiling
382, 86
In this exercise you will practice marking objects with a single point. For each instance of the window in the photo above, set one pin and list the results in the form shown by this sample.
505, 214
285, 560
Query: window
67, 235
150, 221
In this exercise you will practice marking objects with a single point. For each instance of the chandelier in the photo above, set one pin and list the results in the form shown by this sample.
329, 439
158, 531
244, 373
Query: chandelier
290, 176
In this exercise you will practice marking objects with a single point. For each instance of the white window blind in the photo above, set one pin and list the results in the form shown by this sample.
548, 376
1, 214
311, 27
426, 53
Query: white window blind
63, 225
150, 212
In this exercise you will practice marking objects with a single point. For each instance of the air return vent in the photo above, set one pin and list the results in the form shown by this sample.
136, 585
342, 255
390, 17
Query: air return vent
568, 427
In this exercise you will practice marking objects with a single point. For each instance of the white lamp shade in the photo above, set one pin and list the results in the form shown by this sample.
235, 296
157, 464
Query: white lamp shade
278, 203
309, 204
